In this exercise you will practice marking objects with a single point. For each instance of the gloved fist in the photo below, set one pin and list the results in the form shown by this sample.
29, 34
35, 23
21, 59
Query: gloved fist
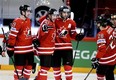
79, 36
36, 43
10, 51
94, 62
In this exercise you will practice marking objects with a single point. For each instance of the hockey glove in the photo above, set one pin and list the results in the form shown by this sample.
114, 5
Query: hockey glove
95, 63
36, 43
79, 36
10, 50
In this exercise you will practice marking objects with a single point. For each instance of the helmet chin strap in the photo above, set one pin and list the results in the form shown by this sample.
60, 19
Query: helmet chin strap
25, 15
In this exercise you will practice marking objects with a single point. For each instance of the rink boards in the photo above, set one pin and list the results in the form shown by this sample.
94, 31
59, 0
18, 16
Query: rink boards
85, 51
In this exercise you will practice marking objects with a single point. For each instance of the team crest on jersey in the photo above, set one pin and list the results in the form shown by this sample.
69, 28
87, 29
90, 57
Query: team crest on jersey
27, 33
62, 32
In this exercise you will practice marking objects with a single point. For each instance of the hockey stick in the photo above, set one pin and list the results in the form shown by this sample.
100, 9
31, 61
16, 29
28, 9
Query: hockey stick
35, 66
4, 43
106, 50
75, 51
19, 78
88, 74
13, 60
81, 29
93, 68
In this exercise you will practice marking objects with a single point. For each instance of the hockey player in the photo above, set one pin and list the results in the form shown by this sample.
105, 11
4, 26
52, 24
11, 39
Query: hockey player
65, 32
20, 44
46, 38
4, 42
110, 74
104, 62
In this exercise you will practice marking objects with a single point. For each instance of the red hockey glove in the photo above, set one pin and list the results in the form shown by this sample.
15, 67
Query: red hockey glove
10, 50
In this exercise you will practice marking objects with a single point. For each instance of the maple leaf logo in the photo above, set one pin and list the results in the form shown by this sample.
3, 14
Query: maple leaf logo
27, 33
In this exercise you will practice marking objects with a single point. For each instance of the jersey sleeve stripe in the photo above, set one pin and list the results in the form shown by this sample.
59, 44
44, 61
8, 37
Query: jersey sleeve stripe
12, 34
101, 41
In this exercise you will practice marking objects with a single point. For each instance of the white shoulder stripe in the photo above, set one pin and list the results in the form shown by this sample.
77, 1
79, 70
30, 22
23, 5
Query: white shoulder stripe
12, 34
14, 31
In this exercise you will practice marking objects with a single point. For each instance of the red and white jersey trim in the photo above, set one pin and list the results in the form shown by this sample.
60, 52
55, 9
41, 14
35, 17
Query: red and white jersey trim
14, 31
104, 58
23, 46
24, 51
12, 34
46, 47
60, 46
63, 44
47, 52
108, 60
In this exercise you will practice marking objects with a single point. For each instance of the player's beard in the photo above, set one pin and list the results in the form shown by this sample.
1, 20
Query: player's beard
64, 17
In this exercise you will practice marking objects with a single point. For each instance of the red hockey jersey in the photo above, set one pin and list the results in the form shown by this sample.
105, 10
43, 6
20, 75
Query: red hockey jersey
65, 32
42, 18
106, 46
20, 36
47, 38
